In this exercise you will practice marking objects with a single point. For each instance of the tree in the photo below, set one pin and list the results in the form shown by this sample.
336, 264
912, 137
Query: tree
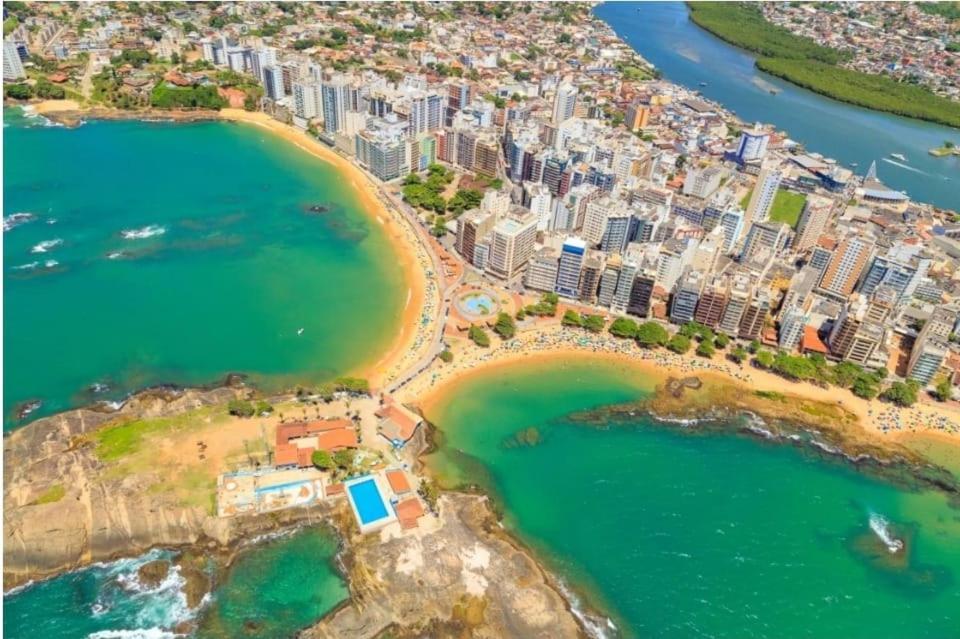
901, 393
572, 318
943, 391
706, 348
845, 374
479, 336
623, 327
739, 354
754, 346
763, 359
240, 408
439, 226
446, 356
19, 91
679, 344
430, 492
322, 460
593, 323
865, 386
721, 340
650, 334
343, 458
262, 407
505, 327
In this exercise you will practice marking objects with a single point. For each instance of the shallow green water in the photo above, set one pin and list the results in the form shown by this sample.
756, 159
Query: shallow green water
678, 533
239, 268
272, 591
277, 589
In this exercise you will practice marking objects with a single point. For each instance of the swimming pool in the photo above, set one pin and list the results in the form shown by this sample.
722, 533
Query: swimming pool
367, 501
477, 304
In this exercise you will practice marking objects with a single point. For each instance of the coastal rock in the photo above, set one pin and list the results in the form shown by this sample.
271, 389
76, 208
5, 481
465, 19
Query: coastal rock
152, 573
466, 577
100, 516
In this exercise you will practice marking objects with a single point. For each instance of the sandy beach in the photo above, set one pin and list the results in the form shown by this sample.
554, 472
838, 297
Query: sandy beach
881, 422
409, 344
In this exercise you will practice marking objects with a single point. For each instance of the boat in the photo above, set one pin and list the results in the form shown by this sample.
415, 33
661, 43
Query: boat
854, 164
703, 84
773, 91
300, 332
898, 156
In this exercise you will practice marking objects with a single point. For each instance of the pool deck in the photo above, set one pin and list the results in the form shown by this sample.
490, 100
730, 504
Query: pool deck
267, 490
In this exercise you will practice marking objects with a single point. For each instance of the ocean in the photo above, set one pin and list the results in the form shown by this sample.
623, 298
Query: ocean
178, 253
678, 531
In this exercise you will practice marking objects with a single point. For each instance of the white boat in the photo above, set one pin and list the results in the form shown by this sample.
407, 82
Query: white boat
899, 156
300, 332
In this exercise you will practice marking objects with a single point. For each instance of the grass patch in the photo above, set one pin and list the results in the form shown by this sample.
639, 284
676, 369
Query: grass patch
774, 395
787, 207
51, 495
126, 438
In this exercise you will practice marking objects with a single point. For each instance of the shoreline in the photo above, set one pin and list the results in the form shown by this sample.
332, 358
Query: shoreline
404, 348
871, 418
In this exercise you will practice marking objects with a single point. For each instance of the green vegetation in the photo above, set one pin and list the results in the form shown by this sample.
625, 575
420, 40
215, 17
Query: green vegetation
803, 62
949, 10
165, 96
571, 318
118, 440
18, 91
546, 307
354, 385
876, 92
430, 492
943, 390
262, 408
344, 457
134, 57
479, 336
902, 393
679, 344
706, 348
698, 330
10, 24
322, 460
505, 327
426, 194
624, 327
787, 207
446, 356
721, 340
593, 323
51, 495
739, 354
651, 334
241, 408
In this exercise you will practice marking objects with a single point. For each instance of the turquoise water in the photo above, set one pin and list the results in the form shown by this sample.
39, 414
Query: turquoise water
366, 497
271, 592
186, 252
662, 33
682, 533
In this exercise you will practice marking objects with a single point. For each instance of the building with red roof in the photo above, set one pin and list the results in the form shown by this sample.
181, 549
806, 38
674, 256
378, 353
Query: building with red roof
811, 342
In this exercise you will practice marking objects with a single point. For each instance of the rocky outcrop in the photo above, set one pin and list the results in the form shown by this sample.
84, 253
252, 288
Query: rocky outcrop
96, 516
464, 578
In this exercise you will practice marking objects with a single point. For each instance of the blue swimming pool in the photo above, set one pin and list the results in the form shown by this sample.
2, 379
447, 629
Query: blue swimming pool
368, 502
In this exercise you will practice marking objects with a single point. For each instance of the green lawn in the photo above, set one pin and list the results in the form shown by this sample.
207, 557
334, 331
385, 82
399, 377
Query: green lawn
787, 207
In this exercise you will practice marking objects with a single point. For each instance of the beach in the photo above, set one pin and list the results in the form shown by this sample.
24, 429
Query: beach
881, 423
413, 260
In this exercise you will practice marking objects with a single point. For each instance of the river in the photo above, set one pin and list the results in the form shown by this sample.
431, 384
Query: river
663, 34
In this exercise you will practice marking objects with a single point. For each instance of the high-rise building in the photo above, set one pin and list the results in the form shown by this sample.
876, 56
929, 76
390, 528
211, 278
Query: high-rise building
793, 319
620, 229
845, 267
571, 263
901, 275
307, 103
685, 298
853, 337
335, 94
511, 245
590, 276
710, 306
542, 270
764, 239
273, 83
753, 145
12, 66
755, 316
813, 222
641, 294
703, 182
926, 358
564, 103
473, 226
738, 299
621, 295
638, 115
262, 58
764, 192
381, 148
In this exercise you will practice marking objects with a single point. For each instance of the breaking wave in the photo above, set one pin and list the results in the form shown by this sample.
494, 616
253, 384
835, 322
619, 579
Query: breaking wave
17, 219
46, 245
143, 233
881, 528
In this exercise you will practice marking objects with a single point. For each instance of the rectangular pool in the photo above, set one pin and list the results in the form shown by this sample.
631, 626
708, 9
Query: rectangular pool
367, 501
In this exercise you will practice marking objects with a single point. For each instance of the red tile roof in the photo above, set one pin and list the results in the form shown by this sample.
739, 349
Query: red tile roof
334, 440
409, 511
335, 489
811, 341
286, 454
406, 425
398, 481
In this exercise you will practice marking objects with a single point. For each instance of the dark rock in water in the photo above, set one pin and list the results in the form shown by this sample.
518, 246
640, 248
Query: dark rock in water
319, 208
235, 379
23, 411
197, 581
676, 386
184, 628
252, 625
526, 437
151, 574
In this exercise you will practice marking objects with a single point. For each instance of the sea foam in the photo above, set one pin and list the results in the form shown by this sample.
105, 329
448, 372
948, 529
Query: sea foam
881, 528
143, 233
46, 245
17, 219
